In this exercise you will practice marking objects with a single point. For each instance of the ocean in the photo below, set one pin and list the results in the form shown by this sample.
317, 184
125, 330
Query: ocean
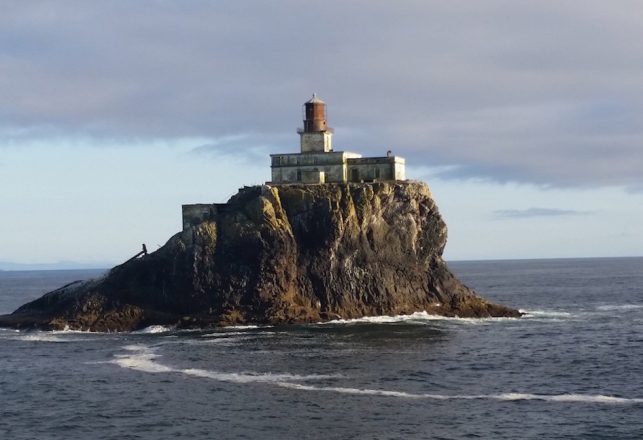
571, 368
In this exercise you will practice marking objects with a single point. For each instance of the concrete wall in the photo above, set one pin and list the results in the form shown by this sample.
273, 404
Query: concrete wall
375, 168
400, 169
197, 213
313, 176
292, 174
316, 142
340, 166
289, 167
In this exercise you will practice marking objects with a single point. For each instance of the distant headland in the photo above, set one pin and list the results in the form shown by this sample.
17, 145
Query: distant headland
332, 235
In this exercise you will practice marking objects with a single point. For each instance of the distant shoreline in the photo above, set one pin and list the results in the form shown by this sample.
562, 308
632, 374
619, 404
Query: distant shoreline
25, 267
11, 267
539, 259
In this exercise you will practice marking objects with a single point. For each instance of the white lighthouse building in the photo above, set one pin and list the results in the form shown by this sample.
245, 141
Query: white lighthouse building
317, 162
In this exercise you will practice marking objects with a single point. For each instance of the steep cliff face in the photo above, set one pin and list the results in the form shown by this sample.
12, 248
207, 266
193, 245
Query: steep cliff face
279, 254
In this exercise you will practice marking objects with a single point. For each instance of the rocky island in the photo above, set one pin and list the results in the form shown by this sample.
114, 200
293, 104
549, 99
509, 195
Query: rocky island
279, 254
333, 235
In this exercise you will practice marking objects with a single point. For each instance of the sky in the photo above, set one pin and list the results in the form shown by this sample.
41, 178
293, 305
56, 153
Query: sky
525, 118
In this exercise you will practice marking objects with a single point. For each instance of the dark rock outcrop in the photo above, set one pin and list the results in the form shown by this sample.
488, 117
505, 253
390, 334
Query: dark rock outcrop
279, 254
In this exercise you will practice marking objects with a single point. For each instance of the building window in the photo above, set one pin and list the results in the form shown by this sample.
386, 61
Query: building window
377, 173
298, 176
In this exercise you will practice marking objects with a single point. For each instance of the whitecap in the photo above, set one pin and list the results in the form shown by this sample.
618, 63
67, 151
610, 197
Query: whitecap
617, 307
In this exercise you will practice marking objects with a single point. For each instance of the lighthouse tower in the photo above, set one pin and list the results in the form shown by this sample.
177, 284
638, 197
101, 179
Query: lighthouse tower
316, 136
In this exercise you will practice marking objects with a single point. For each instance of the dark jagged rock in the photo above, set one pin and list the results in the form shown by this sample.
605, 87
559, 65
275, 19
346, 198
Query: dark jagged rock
279, 254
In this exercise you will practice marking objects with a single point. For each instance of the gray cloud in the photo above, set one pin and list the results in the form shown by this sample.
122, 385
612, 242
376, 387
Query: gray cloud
537, 212
635, 189
549, 93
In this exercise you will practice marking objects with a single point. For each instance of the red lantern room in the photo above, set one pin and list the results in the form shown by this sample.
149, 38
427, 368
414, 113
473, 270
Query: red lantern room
315, 115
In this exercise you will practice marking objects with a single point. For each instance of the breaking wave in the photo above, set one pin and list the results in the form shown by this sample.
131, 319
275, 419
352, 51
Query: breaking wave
417, 317
143, 358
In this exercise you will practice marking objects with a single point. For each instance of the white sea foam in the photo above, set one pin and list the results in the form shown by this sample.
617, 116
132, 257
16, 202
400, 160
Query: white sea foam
51, 336
250, 377
230, 341
8, 333
227, 334
156, 329
581, 398
545, 314
417, 317
617, 307
41, 337
137, 347
357, 391
143, 358
244, 327
586, 398
223, 334
384, 319
142, 362
68, 331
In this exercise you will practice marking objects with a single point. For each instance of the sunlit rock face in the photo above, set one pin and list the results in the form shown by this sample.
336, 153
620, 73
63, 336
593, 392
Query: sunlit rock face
279, 254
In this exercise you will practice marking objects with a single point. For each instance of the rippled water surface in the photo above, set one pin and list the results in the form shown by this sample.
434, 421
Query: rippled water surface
571, 368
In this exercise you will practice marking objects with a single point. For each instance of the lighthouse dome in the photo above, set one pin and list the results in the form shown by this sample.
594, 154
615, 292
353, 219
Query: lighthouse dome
315, 100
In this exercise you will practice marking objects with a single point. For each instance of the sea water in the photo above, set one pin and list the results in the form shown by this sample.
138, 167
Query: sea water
571, 368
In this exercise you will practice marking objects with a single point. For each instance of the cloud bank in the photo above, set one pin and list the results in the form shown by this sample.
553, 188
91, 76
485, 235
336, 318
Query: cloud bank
548, 93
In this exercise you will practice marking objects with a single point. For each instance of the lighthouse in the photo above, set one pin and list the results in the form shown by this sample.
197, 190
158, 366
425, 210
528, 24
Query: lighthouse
317, 162
316, 136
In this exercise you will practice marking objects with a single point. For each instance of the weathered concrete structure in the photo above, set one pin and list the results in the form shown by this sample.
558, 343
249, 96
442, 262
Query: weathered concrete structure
200, 212
318, 163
